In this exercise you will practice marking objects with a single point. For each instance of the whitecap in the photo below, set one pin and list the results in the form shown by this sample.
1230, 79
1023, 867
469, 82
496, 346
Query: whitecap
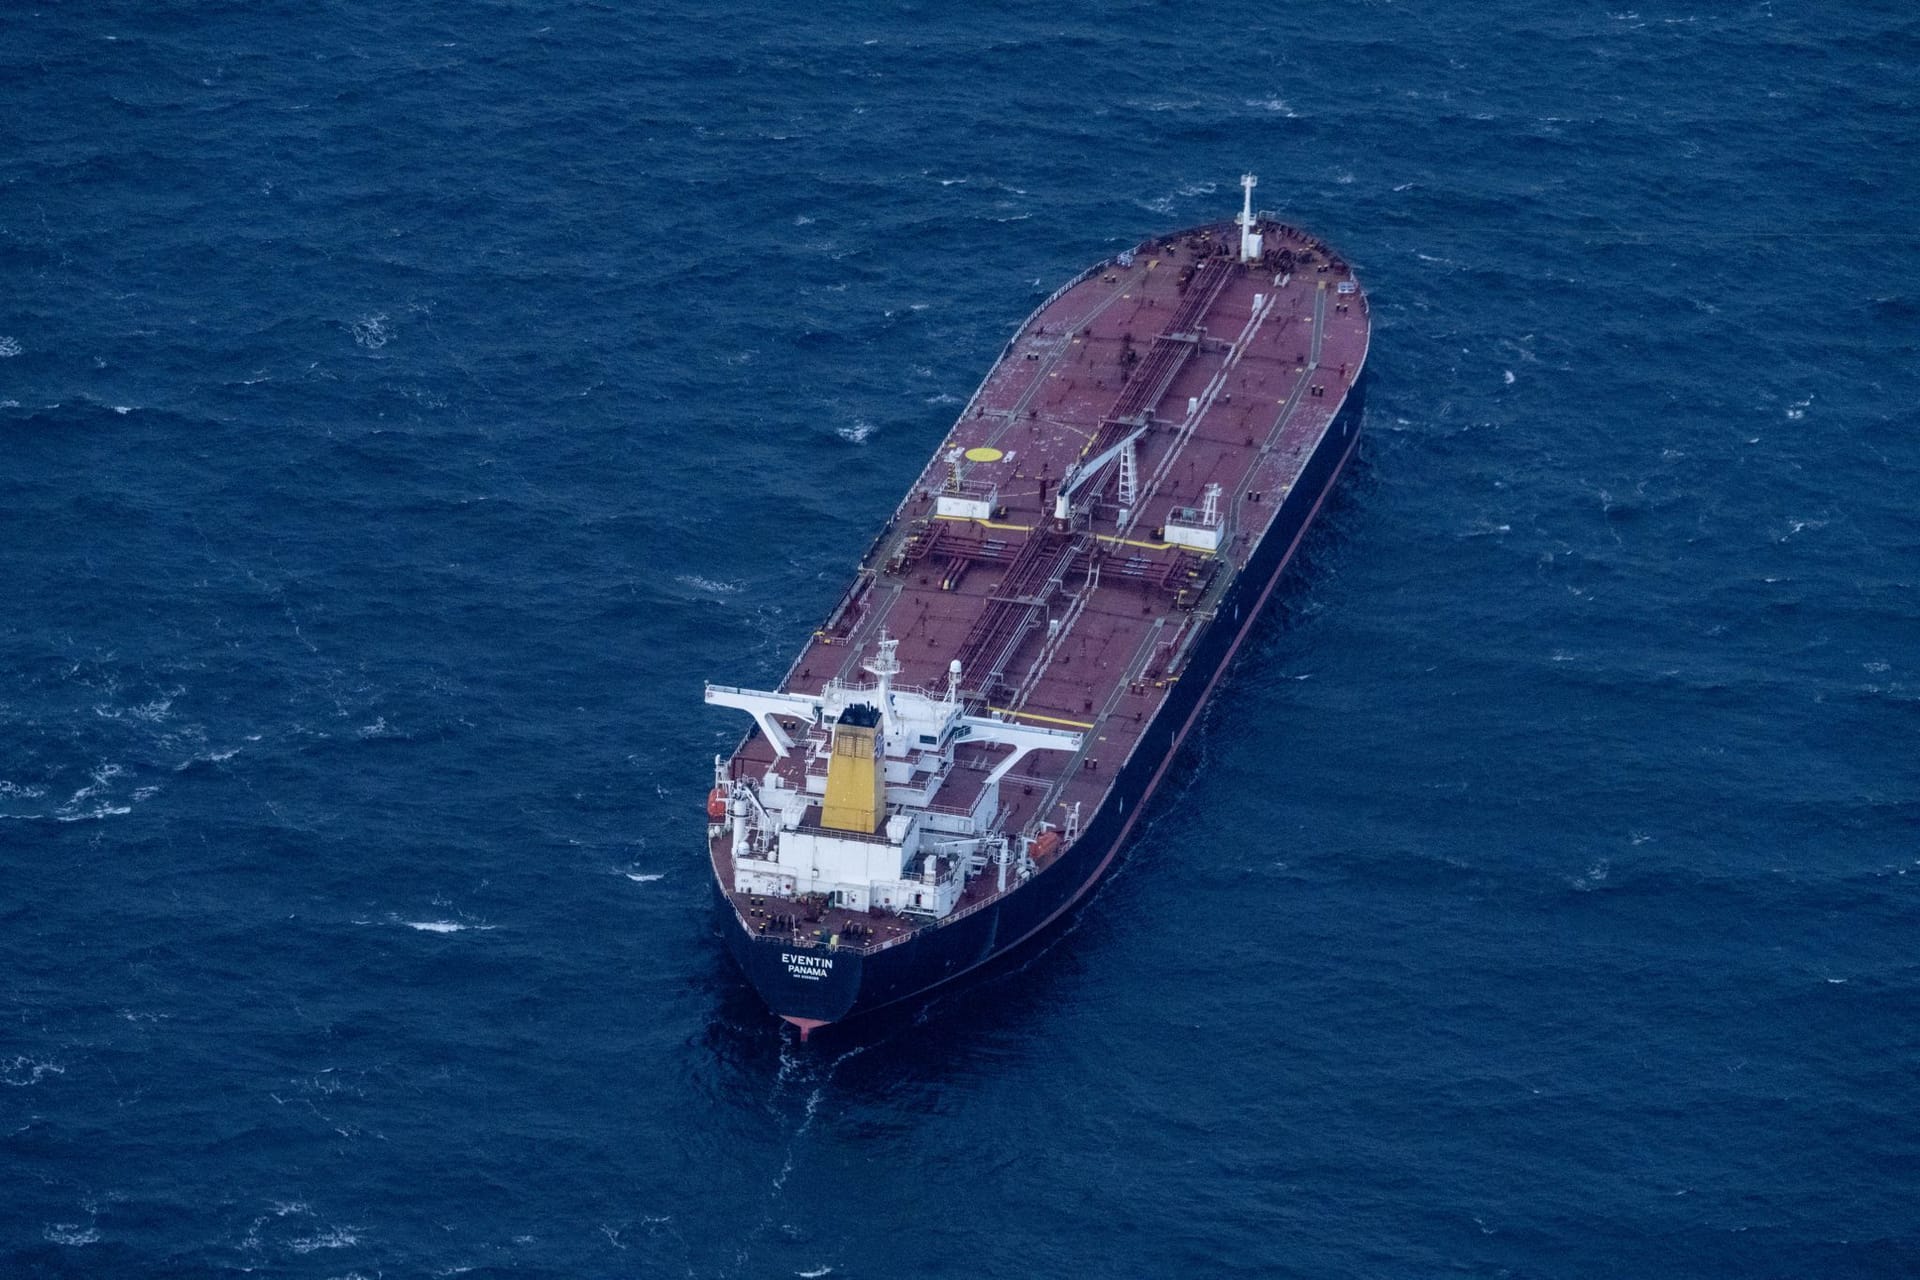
1596, 875
815, 1273
1509, 376
71, 1233
708, 585
1800, 526
104, 811
857, 433
444, 926
101, 777
152, 712
644, 877
212, 757
22, 1070
371, 331
331, 1238
9, 347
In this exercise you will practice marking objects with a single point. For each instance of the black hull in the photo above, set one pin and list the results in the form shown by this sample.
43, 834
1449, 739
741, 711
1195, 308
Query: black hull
811, 986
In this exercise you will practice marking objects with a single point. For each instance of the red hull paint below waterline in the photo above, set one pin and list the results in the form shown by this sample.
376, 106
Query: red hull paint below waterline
959, 751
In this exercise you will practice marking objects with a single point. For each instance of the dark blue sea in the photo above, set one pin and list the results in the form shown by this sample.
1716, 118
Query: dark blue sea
404, 408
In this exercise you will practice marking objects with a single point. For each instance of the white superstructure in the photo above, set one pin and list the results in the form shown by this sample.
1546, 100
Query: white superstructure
877, 797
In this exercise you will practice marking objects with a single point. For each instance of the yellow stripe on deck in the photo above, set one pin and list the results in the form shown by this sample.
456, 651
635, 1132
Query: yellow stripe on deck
988, 524
1116, 539
1150, 546
1035, 715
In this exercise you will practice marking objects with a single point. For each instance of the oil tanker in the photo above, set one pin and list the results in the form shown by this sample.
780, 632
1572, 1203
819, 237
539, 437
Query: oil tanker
957, 754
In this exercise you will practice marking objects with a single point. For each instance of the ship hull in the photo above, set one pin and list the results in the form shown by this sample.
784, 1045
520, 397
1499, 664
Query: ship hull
815, 985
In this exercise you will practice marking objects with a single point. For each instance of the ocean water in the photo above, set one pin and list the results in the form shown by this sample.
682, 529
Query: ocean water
404, 408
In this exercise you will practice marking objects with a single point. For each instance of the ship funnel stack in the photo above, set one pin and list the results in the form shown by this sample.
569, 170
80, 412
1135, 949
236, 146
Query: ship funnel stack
1249, 238
856, 775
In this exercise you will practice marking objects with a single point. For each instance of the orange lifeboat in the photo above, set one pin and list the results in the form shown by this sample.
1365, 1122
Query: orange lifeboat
1043, 844
717, 805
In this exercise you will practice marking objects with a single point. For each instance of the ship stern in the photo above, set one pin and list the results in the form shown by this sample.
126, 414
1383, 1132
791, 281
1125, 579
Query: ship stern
808, 984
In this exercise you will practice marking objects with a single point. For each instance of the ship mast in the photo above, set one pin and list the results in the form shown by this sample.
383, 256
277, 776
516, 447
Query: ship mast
884, 667
1249, 238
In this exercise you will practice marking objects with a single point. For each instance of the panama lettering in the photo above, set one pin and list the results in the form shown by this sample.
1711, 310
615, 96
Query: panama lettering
812, 968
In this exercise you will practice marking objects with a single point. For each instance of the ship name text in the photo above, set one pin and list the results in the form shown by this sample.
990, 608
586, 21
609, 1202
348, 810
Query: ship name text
812, 968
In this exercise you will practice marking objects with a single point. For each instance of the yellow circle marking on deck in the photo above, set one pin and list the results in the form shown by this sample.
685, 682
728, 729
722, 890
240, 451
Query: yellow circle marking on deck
984, 453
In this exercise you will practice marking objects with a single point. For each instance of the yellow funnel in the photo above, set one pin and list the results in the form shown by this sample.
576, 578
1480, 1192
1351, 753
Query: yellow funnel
856, 774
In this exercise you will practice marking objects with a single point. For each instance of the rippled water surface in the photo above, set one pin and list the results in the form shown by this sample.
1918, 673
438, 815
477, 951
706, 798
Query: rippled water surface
403, 410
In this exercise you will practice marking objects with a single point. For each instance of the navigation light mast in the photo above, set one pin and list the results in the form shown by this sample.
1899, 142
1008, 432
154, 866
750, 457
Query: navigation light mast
1249, 238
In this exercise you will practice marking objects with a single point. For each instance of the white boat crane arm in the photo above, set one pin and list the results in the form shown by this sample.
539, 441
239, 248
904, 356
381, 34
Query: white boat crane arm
1023, 738
764, 706
1087, 469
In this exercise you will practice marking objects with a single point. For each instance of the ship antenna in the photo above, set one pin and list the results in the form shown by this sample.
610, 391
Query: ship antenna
884, 667
1249, 238
886, 663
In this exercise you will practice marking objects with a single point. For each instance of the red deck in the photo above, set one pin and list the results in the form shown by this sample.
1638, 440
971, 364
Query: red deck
1121, 342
